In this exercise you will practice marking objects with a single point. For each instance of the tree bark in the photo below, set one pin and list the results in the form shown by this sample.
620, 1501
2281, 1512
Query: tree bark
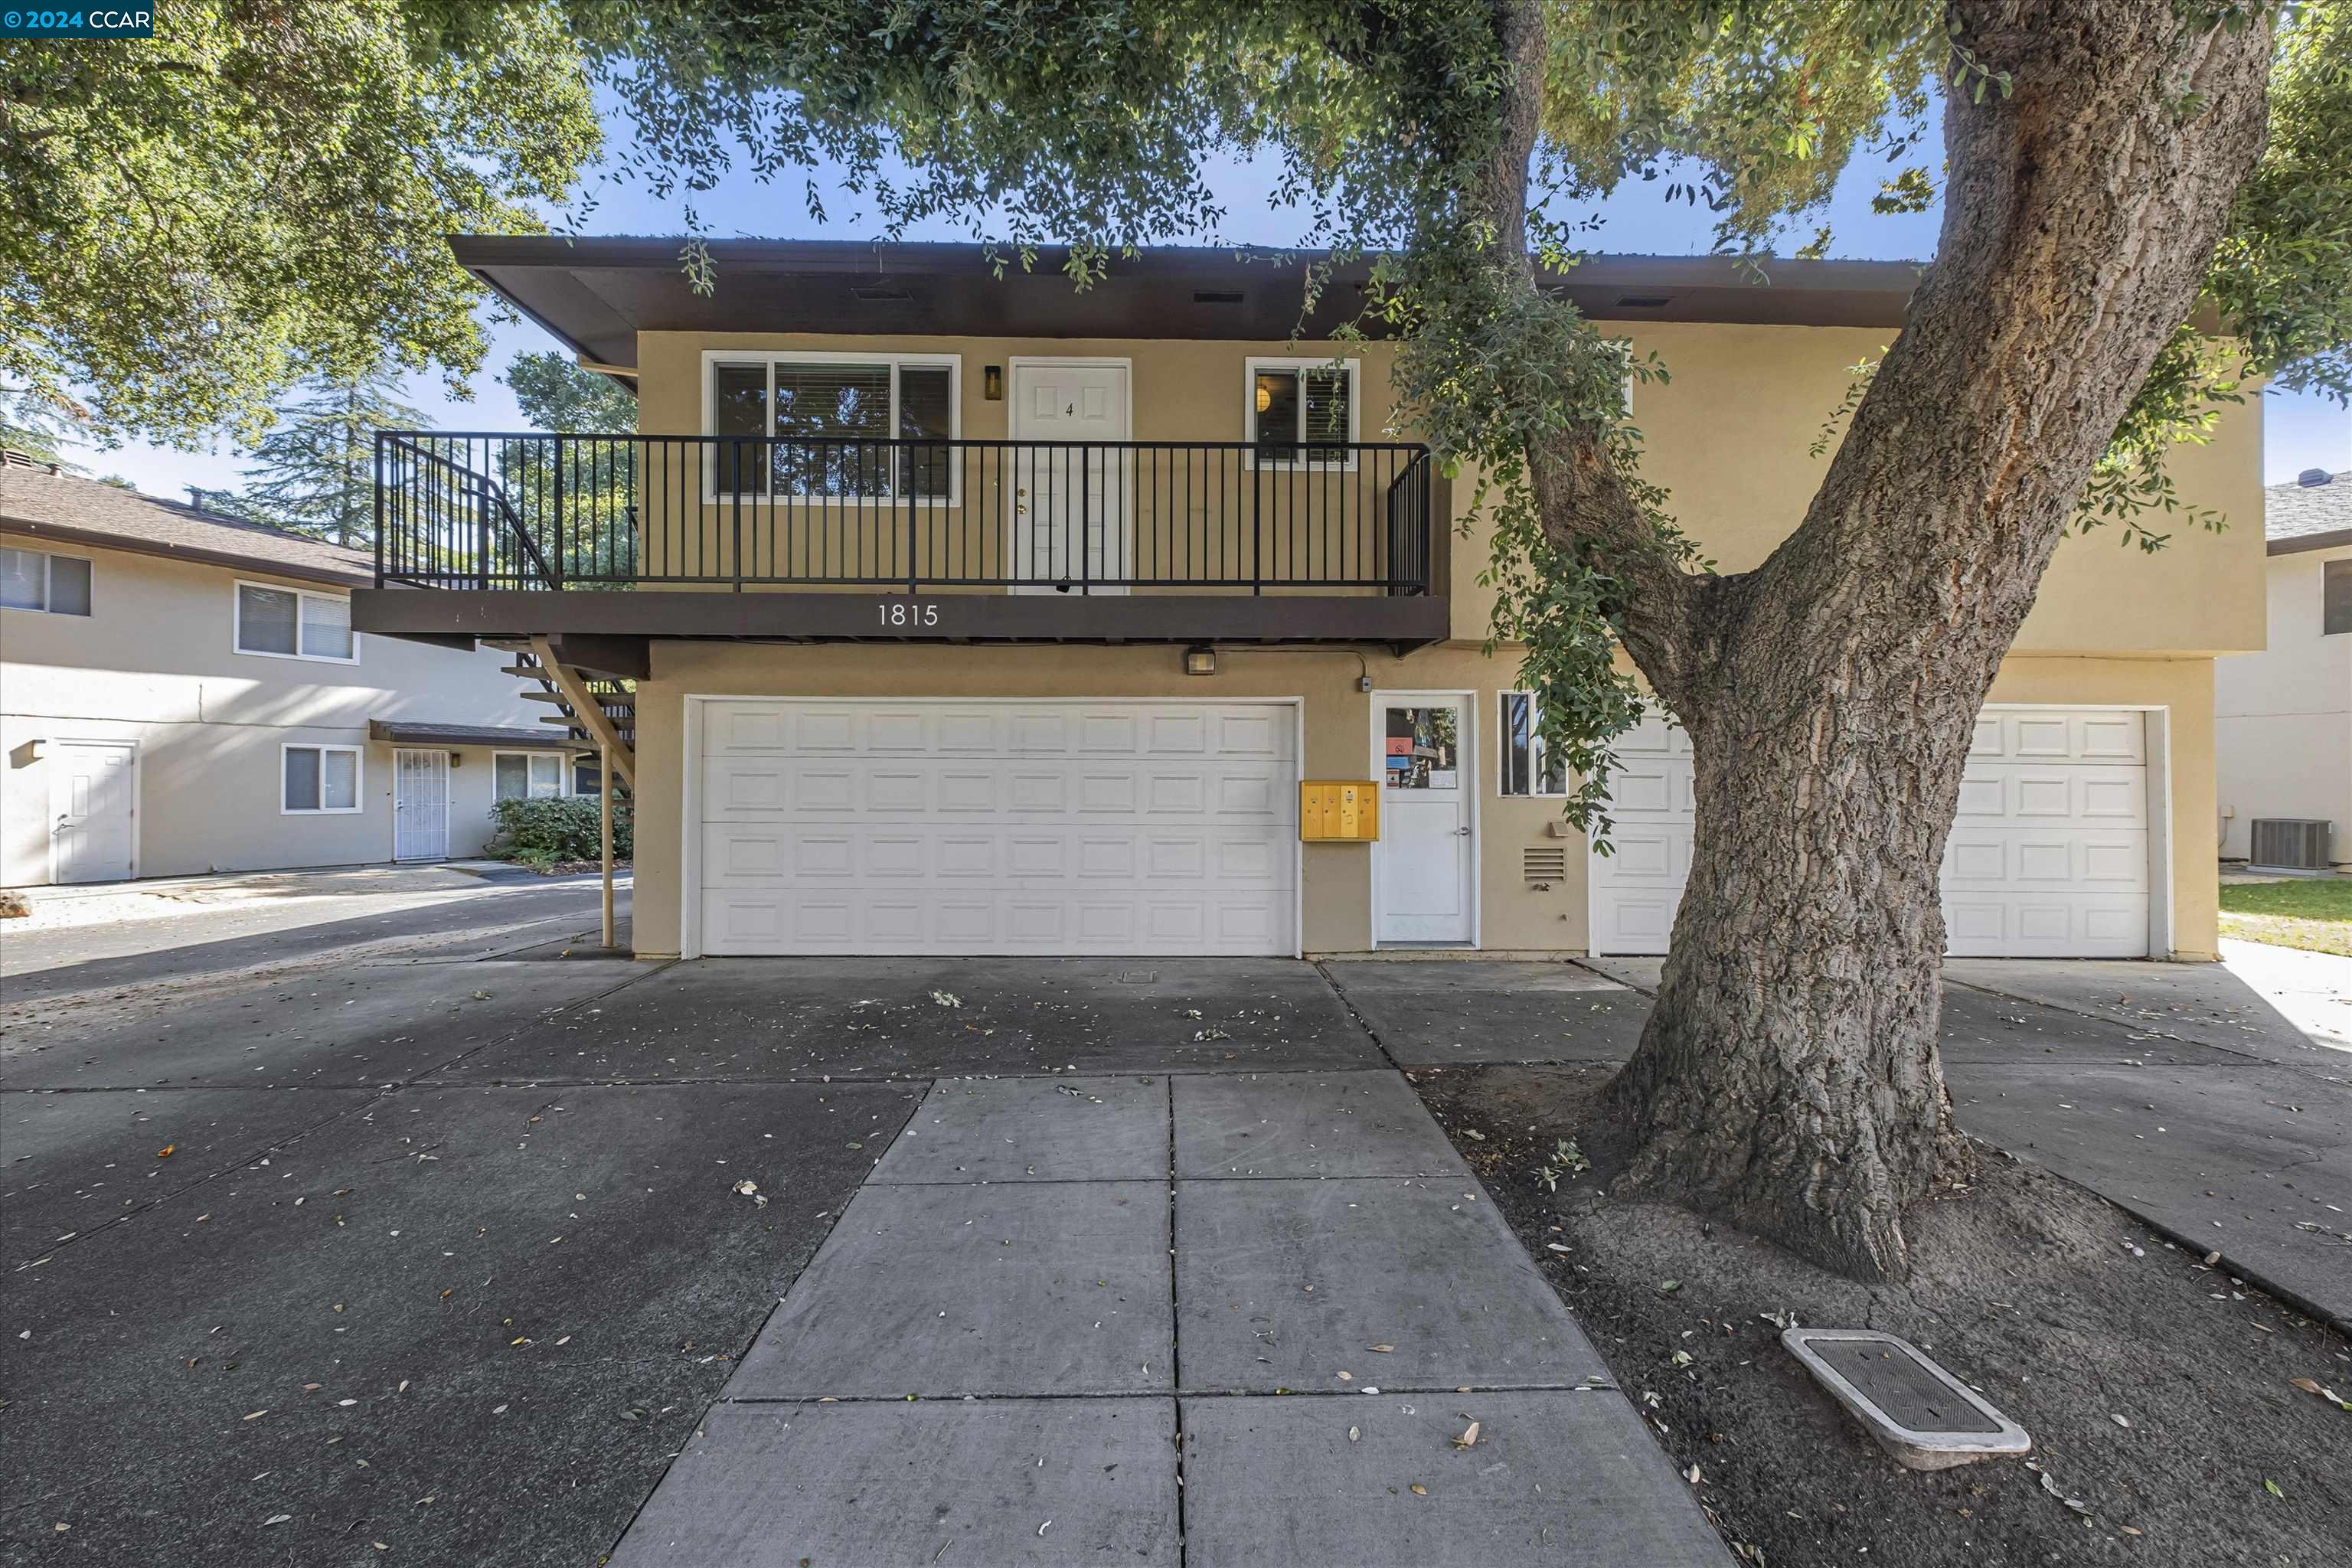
1788, 1077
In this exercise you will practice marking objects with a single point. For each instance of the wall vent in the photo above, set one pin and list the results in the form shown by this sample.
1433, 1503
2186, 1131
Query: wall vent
882, 294
1543, 864
1644, 302
1216, 297
2291, 844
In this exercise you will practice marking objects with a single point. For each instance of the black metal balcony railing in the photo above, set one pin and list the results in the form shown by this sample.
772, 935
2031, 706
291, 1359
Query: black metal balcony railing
542, 512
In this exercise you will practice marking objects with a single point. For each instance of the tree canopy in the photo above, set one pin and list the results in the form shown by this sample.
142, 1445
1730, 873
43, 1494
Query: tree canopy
555, 394
315, 470
189, 225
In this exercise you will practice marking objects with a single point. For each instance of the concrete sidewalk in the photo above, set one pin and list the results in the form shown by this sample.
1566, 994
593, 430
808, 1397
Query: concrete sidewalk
2175, 1091
1209, 1318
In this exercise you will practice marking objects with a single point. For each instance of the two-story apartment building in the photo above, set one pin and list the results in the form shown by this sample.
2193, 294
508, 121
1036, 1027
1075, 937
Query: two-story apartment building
183, 691
978, 614
2283, 717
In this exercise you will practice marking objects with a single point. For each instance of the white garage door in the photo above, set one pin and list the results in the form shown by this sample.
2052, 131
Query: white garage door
2048, 856
878, 827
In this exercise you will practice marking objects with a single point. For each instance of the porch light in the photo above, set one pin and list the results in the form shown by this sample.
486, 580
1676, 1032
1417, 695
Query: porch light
992, 382
1200, 660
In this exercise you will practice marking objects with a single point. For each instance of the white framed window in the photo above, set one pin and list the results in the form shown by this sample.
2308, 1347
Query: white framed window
587, 775
1528, 764
294, 623
1303, 412
35, 580
318, 780
527, 775
823, 410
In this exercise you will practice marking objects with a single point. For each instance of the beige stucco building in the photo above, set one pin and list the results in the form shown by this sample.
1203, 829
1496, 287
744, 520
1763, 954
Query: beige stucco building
182, 692
2283, 717
977, 615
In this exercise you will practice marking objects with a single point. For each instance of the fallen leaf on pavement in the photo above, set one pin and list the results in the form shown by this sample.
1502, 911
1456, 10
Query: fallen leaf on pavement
1469, 1437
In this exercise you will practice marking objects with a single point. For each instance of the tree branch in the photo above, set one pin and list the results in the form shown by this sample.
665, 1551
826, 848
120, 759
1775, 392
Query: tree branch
1586, 506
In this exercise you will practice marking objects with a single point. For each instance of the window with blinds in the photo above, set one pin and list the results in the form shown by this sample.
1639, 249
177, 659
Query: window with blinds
817, 428
289, 623
1303, 411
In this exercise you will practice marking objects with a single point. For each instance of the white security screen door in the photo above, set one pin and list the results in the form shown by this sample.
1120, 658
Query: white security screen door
996, 826
91, 808
1422, 883
1063, 495
420, 805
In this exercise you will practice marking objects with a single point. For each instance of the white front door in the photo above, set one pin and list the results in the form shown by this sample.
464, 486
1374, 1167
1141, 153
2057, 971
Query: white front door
420, 805
1069, 827
92, 836
1422, 888
1069, 519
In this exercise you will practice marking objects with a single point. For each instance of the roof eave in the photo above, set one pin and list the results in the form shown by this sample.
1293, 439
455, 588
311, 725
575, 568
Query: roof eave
96, 539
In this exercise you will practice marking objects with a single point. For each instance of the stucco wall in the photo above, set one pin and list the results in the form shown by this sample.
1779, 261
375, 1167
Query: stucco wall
155, 662
2283, 717
1727, 435
1336, 896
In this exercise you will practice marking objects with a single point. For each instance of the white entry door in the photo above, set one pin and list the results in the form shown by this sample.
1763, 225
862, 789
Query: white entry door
995, 826
420, 805
1422, 887
1069, 521
2048, 856
91, 800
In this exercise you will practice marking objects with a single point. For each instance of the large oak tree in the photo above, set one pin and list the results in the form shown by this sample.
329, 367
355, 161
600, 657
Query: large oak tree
2103, 176
191, 224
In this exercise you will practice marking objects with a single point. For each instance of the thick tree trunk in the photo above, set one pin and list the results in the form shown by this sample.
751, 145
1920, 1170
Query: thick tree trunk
1788, 1077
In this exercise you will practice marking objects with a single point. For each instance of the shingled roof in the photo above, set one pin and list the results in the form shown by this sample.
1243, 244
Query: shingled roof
37, 499
2296, 514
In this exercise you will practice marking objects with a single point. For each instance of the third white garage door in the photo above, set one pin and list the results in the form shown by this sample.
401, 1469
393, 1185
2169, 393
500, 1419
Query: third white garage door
2049, 854
1063, 827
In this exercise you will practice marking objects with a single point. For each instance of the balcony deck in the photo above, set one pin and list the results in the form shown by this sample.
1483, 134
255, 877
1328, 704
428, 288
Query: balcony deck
657, 536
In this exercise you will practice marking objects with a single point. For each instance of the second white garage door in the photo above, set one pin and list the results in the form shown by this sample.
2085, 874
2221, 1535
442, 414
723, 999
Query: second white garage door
2048, 856
1060, 827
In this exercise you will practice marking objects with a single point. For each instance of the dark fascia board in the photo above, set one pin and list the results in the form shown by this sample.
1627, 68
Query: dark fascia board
261, 565
598, 294
963, 618
2295, 543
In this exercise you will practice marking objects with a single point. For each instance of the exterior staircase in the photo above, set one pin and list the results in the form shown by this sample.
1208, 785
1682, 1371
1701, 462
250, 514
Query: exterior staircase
595, 710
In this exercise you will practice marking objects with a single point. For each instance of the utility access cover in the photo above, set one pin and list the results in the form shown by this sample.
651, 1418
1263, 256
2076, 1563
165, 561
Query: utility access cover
1923, 1415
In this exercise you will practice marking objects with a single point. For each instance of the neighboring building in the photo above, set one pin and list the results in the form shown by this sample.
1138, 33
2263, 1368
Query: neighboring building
182, 691
2283, 717
982, 616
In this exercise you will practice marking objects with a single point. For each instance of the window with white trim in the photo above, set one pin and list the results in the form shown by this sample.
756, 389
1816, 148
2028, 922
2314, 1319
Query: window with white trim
1303, 411
526, 776
35, 580
825, 412
293, 623
1530, 765
587, 775
319, 780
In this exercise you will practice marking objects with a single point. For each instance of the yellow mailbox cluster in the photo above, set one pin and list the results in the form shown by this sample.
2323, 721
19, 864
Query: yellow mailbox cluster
1339, 808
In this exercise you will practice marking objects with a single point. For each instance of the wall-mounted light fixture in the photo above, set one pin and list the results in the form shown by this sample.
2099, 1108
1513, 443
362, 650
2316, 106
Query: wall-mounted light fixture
1200, 660
992, 382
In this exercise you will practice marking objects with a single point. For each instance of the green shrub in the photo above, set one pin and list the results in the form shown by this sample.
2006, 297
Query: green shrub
545, 831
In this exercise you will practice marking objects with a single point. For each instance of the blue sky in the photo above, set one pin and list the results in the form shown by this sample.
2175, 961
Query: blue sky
2299, 432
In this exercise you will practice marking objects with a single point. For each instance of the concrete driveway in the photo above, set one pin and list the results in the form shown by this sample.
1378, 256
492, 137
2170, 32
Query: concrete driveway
477, 1255
445, 1242
2176, 1091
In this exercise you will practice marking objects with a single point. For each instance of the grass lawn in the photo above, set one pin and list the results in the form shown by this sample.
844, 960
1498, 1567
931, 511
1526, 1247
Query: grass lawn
2314, 914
